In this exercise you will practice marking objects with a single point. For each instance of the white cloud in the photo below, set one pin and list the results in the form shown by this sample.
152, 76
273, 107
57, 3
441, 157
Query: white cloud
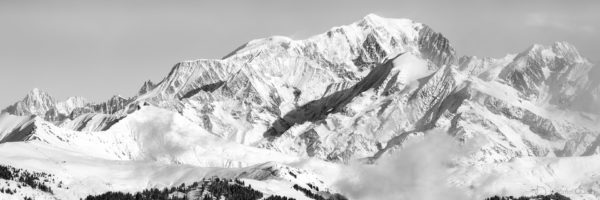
419, 171
559, 22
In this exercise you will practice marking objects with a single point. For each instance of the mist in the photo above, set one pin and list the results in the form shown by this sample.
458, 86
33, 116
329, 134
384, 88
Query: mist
163, 138
420, 170
588, 100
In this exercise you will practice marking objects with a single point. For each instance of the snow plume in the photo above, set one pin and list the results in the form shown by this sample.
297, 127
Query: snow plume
420, 170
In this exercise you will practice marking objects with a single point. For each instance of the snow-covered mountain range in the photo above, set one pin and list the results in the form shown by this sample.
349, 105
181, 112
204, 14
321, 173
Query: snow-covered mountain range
278, 112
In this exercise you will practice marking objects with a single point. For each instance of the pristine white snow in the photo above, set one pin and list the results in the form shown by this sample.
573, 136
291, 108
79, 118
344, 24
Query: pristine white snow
85, 175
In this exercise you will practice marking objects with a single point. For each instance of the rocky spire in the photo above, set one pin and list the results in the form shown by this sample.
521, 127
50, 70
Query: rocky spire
36, 102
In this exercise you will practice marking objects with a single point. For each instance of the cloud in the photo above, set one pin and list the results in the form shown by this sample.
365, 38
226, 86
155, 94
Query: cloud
419, 170
567, 23
163, 137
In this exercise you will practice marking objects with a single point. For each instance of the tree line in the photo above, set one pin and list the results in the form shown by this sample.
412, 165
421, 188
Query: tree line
35, 180
555, 196
206, 189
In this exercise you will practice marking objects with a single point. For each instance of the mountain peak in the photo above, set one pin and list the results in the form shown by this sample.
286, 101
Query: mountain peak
373, 20
36, 92
146, 87
117, 96
568, 50
549, 73
36, 102
38, 95
559, 49
372, 17
563, 44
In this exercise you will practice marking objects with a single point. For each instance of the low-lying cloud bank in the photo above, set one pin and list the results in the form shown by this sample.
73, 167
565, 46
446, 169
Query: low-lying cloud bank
420, 170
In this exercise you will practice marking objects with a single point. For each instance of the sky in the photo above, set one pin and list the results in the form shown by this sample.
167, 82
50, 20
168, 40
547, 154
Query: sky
97, 49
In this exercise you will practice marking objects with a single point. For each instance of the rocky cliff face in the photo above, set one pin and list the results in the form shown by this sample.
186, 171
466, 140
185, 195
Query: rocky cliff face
40, 103
74, 110
555, 74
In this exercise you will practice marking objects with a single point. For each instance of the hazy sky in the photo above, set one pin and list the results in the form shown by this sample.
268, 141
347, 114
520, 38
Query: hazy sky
96, 49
